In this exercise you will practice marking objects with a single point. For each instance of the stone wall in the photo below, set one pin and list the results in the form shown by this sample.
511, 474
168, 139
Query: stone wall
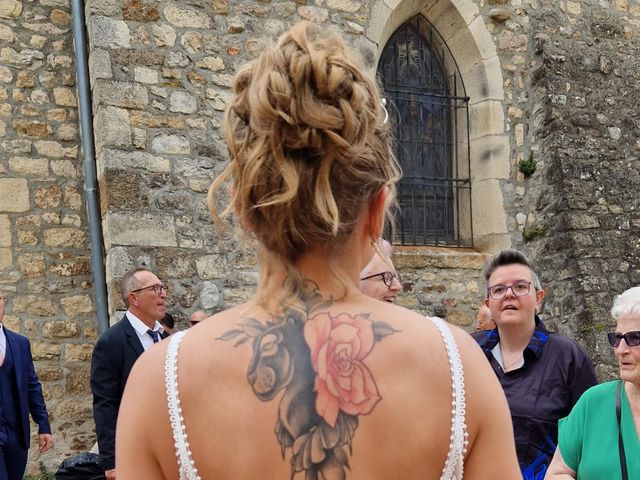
586, 124
44, 258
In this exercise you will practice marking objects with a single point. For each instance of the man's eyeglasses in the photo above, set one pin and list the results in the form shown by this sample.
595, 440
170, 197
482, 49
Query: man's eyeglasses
519, 289
158, 288
632, 338
387, 277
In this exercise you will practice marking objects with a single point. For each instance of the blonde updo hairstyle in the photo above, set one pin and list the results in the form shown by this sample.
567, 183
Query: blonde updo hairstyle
308, 145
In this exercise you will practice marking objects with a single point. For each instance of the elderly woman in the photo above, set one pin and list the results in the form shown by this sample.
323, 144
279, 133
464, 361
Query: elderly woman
312, 379
599, 438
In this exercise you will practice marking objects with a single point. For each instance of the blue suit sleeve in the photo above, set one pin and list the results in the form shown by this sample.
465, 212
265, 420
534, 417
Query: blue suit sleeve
37, 407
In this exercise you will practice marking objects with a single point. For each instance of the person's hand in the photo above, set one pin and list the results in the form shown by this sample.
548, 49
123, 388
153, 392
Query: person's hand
110, 474
45, 441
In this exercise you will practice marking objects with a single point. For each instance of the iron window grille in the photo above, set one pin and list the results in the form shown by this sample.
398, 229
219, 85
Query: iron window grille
429, 112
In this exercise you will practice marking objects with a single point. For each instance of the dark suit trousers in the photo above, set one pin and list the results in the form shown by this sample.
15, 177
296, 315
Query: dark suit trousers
13, 457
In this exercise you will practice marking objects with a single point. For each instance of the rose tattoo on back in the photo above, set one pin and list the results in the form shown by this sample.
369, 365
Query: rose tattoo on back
317, 359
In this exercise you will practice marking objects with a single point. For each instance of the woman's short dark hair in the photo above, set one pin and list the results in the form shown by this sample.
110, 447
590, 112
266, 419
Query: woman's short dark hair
510, 257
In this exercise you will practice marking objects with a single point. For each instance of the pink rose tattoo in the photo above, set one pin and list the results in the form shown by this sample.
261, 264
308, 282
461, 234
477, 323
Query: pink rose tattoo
312, 361
338, 345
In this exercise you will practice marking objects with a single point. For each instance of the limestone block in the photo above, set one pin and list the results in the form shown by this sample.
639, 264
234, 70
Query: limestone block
140, 229
192, 42
38, 305
99, 65
483, 79
48, 197
182, 102
314, 14
491, 218
71, 219
49, 374
112, 128
6, 259
209, 296
78, 352
63, 168
5, 231
118, 159
64, 237
212, 266
108, 33
186, 17
55, 149
17, 146
211, 63
64, 97
77, 305
145, 75
284, 9
354, 28
29, 167
10, 9
14, 195
7, 35
107, 8
38, 41
486, 118
72, 198
176, 59
78, 381
32, 129
60, 17
490, 157
171, 144
73, 411
68, 133
236, 296
31, 265
44, 350
118, 262
163, 35
12, 322
121, 94
344, 5
68, 265
27, 237
6, 75
59, 329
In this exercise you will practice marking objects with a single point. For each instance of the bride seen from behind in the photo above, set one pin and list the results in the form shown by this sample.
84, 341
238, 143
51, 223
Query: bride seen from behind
312, 379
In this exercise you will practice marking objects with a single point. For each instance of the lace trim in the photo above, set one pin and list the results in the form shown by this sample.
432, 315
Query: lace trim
186, 464
454, 465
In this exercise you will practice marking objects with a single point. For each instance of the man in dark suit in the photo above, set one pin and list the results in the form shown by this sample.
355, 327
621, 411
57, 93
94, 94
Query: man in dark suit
20, 394
117, 350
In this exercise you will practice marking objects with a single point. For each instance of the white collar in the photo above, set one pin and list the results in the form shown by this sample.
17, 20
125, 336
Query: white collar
140, 327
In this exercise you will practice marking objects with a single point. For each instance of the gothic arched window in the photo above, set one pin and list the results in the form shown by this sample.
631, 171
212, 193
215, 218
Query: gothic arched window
429, 113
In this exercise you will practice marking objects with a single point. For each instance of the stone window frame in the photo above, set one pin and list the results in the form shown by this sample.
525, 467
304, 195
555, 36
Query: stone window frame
463, 28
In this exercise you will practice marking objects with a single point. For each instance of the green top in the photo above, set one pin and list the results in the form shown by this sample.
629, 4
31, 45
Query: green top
588, 437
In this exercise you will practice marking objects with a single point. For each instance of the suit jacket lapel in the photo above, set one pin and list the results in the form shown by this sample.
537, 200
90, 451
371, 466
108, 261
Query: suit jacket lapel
132, 336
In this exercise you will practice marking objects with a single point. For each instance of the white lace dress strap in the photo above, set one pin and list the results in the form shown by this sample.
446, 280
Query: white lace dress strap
454, 465
186, 464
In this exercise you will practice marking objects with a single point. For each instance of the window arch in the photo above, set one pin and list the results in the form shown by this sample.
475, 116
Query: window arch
428, 107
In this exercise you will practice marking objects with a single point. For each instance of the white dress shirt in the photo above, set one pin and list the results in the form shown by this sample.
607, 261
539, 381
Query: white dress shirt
3, 344
141, 329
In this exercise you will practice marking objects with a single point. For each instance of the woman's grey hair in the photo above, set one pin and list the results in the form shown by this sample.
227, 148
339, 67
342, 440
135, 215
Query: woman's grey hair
627, 303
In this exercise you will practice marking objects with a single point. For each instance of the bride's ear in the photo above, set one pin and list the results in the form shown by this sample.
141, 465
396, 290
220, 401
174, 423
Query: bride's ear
377, 211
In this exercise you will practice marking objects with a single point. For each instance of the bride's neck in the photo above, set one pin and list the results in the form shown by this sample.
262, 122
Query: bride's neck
333, 274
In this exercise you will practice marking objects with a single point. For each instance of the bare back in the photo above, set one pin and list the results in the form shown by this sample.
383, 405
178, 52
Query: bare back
358, 389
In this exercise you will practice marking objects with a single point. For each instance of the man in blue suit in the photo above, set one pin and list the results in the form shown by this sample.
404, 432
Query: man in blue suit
20, 394
118, 349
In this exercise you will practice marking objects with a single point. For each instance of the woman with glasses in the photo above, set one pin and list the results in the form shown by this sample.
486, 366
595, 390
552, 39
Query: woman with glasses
600, 437
379, 278
542, 373
312, 379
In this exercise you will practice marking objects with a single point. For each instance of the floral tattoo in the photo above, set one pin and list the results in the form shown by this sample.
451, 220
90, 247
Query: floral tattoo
317, 358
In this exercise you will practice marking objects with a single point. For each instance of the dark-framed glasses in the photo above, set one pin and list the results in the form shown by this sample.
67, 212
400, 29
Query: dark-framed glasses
157, 288
632, 338
387, 277
519, 289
